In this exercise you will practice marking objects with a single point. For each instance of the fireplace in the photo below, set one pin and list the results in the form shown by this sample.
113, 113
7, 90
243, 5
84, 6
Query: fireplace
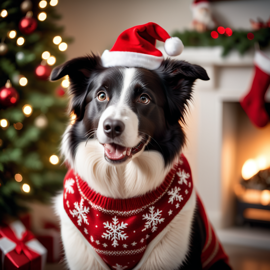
219, 140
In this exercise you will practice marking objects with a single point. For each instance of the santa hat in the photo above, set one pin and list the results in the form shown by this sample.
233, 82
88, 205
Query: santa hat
135, 47
200, 4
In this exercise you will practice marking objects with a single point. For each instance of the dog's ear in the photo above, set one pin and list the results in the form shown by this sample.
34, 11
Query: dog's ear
79, 71
179, 77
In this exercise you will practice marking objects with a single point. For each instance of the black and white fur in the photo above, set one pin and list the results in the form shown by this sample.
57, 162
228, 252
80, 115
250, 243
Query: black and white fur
156, 124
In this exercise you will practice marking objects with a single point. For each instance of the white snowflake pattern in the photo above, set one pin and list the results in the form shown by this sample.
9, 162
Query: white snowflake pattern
170, 212
104, 245
183, 177
97, 242
134, 244
80, 212
125, 246
186, 191
85, 231
153, 219
67, 204
147, 236
92, 238
69, 185
142, 240
177, 205
115, 231
174, 195
119, 267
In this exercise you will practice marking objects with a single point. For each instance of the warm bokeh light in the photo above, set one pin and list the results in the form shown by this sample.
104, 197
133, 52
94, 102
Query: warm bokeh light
54, 159
42, 16
45, 55
23, 81
18, 126
65, 83
53, 3
72, 118
4, 13
18, 177
221, 30
265, 197
20, 41
51, 60
63, 46
214, 34
12, 34
57, 40
27, 110
249, 169
42, 4
3, 123
26, 188
262, 163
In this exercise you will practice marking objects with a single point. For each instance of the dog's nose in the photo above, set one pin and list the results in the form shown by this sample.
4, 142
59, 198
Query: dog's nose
113, 128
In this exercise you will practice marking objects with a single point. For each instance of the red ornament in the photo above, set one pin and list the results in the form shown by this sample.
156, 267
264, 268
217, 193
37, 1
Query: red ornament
8, 95
27, 25
221, 30
43, 72
60, 91
250, 36
228, 31
214, 34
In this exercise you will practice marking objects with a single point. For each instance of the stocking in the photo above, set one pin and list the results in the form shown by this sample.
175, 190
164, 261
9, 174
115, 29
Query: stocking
254, 101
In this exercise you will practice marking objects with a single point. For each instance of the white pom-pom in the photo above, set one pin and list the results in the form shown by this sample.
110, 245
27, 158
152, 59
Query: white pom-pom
173, 46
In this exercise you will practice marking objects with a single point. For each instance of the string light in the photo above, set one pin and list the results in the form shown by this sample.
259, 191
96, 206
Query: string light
57, 40
23, 81
65, 83
42, 16
20, 41
4, 123
45, 55
63, 46
27, 110
54, 159
42, 4
26, 188
12, 34
53, 3
51, 60
4, 13
18, 177
18, 126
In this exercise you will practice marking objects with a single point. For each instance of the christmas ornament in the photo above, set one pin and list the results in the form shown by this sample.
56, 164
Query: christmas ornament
41, 121
8, 95
202, 16
60, 91
43, 72
254, 102
3, 48
28, 24
26, 6
136, 47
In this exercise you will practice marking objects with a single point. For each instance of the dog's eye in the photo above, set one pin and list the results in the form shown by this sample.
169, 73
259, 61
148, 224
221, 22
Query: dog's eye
144, 99
102, 96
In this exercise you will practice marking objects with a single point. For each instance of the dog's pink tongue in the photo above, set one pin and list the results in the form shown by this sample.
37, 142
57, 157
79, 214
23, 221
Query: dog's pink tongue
115, 151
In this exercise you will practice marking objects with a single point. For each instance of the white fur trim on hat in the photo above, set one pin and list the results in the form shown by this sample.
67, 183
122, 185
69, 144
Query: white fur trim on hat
130, 59
173, 46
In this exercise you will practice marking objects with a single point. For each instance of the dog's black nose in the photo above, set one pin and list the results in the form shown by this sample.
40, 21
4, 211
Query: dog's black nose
113, 128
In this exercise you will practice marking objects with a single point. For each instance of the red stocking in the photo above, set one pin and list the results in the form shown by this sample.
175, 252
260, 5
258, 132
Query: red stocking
254, 102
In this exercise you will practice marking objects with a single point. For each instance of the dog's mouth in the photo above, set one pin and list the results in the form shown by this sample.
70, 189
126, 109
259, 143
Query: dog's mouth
116, 153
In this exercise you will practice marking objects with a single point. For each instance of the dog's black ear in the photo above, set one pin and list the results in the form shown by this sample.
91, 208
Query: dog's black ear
79, 71
179, 77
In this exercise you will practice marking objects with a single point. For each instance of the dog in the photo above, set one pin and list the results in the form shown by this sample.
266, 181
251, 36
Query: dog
126, 139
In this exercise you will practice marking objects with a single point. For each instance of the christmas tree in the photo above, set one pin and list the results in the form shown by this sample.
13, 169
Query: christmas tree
32, 109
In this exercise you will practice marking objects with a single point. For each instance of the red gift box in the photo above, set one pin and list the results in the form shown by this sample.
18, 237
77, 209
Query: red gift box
50, 238
19, 249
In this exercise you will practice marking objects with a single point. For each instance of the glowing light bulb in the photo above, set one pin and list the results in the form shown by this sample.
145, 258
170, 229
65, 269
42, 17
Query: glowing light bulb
53, 3
51, 60
65, 83
3, 123
23, 81
18, 177
54, 159
20, 41
4, 13
12, 34
265, 197
249, 169
27, 110
262, 163
63, 46
42, 4
45, 55
57, 40
26, 188
42, 16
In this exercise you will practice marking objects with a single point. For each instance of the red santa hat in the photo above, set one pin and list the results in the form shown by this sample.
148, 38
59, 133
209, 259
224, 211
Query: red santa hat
200, 4
136, 47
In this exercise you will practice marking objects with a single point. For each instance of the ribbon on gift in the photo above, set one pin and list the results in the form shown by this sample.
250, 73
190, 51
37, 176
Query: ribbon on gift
16, 237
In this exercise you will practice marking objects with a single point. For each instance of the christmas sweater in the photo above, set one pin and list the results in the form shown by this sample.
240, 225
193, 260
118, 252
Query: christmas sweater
120, 231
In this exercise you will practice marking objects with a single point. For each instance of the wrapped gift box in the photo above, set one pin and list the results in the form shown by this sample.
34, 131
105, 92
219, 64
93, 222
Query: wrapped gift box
19, 249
